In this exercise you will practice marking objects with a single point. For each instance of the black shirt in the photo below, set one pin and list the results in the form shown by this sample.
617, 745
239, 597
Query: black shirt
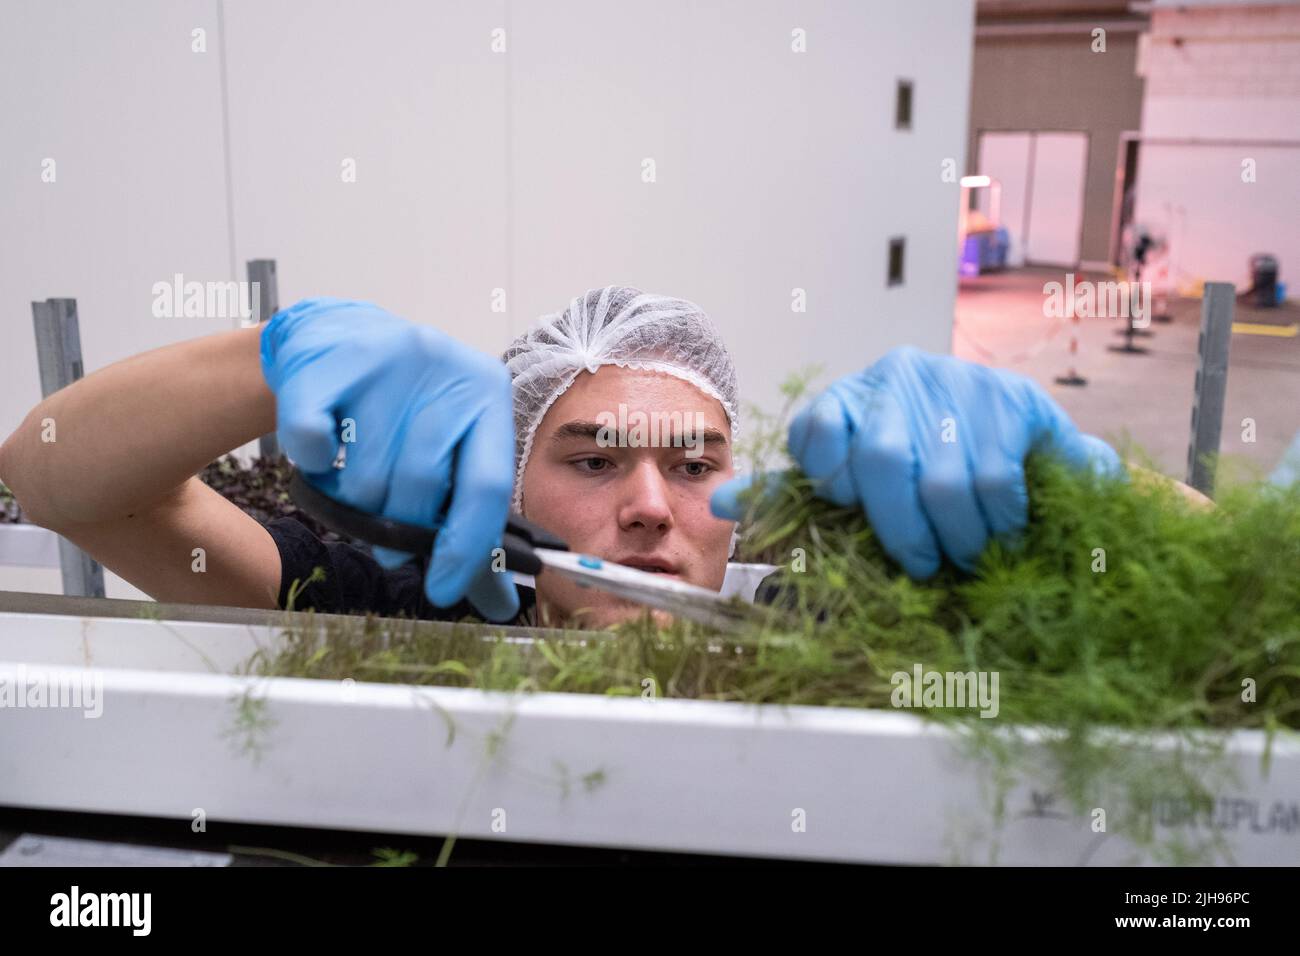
355, 583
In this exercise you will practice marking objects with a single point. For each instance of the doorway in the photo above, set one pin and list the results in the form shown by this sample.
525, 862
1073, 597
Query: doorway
1042, 176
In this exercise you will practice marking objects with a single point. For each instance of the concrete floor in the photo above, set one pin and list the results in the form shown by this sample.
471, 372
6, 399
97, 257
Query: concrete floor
1000, 321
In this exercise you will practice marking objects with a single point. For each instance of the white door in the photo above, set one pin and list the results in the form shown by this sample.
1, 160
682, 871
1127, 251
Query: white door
1005, 157
1060, 162
1042, 179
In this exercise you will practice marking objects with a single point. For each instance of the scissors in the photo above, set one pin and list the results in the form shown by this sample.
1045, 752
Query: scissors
530, 549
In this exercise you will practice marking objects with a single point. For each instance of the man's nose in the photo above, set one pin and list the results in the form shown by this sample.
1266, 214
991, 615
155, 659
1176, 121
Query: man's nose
645, 500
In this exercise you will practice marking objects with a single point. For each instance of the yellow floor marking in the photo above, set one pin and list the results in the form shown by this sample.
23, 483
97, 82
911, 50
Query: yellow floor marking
1254, 328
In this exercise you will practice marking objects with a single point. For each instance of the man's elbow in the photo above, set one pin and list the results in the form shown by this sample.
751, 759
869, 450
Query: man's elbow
16, 476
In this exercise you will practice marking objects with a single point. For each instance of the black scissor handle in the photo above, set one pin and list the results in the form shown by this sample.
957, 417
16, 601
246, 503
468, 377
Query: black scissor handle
518, 542
533, 535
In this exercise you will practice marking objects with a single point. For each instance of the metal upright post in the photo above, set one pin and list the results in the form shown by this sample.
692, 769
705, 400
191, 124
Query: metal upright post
261, 276
1130, 330
58, 351
1211, 384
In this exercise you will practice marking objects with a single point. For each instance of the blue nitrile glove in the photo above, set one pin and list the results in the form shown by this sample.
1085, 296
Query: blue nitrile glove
933, 448
1288, 469
433, 423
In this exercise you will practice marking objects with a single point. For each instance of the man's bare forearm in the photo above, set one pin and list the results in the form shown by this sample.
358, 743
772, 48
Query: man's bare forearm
129, 435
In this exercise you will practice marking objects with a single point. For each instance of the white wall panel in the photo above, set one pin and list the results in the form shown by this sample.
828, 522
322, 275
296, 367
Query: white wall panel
131, 117
412, 92
775, 170
1226, 72
1213, 220
477, 170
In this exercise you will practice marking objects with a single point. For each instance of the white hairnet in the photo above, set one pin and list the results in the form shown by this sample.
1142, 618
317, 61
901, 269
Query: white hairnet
613, 326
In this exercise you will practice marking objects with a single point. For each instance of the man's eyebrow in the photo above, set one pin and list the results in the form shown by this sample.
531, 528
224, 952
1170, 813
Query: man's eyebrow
585, 429
577, 429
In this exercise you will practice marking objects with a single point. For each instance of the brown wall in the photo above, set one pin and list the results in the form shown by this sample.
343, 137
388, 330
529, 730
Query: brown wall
1056, 82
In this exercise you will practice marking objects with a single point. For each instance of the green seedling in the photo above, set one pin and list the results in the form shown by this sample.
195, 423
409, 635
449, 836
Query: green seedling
1128, 625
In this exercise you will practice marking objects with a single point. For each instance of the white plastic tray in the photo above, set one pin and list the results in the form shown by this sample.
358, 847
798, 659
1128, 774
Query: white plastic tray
28, 546
799, 782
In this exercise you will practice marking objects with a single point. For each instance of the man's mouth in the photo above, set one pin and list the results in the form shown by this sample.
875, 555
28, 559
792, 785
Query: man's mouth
649, 563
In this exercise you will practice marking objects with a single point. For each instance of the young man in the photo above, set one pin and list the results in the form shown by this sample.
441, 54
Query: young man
930, 447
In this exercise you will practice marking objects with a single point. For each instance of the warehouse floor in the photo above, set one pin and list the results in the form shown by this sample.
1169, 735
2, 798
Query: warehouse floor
1000, 321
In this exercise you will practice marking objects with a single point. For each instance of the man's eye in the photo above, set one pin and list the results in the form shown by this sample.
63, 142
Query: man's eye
697, 469
591, 464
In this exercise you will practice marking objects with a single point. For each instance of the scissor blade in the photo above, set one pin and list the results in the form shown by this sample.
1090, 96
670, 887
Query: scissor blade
653, 590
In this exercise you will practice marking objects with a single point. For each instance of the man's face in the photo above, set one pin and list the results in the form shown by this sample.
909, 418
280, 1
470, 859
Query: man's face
646, 506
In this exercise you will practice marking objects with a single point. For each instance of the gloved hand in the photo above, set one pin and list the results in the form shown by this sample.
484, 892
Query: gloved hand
1288, 469
433, 423
933, 448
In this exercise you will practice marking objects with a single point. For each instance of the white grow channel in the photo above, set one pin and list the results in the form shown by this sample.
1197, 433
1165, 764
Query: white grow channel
798, 782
